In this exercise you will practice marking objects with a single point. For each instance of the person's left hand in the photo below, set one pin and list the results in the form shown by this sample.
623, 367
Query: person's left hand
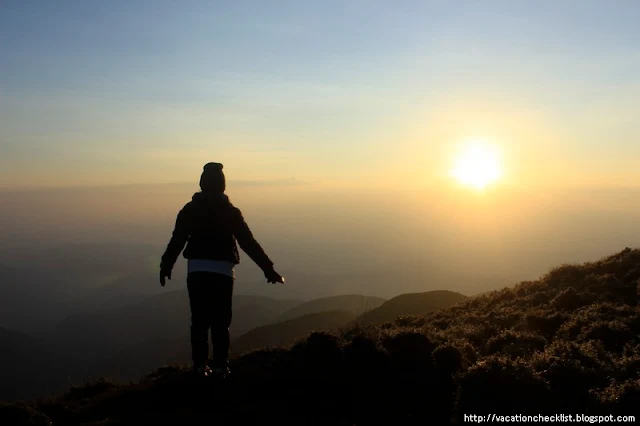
273, 277
163, 275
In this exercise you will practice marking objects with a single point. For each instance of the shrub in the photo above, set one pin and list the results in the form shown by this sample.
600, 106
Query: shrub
499, 384
610, 288
409, 321
544, 322
565, 276
515, 344
620, 399
410, 352
448, 358
478, 335
568, 299
21, 414
628, 366
91, 389
613, 334
318, 357
570, 381
363, 356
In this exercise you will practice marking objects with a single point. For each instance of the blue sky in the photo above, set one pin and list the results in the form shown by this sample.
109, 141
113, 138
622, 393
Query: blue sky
147, 91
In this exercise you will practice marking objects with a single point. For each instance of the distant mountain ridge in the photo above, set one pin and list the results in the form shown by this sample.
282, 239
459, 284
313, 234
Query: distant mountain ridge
285, 332
412, 304
355, 303
288, 331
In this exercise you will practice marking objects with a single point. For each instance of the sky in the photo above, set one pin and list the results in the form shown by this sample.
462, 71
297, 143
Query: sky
340, 125
340, 92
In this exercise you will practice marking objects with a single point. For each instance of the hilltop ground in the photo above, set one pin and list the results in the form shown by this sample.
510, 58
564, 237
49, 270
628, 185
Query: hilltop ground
567, 343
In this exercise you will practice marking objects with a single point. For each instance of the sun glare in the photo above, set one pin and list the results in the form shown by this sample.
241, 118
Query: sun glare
477, 165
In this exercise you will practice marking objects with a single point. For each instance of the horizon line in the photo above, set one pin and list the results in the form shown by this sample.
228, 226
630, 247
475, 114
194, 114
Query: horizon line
247, 182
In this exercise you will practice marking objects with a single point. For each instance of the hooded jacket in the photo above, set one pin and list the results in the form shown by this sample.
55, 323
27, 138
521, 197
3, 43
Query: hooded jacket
210, 226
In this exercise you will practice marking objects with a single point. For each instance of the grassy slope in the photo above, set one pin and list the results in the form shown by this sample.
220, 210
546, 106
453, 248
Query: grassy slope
567, 343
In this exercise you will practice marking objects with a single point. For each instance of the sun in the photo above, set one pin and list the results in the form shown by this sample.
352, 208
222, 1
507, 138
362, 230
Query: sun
477, 165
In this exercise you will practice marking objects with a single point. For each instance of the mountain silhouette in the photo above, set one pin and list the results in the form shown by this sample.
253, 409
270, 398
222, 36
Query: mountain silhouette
286, 332
411, 304
355, 303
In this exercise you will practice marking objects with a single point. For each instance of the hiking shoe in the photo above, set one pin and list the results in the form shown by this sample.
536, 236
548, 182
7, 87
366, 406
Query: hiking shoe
220, 372
202, 371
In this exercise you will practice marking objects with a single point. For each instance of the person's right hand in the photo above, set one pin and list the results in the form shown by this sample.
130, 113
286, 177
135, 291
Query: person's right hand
273, 277
163, 276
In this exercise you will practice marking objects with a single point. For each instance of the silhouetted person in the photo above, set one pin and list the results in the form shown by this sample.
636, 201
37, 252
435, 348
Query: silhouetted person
210, 225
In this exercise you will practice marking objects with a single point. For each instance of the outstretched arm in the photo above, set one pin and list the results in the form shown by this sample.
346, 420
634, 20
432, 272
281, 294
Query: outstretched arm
176, 245
249, 245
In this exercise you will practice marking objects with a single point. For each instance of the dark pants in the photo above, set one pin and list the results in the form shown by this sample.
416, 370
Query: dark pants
210, 297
